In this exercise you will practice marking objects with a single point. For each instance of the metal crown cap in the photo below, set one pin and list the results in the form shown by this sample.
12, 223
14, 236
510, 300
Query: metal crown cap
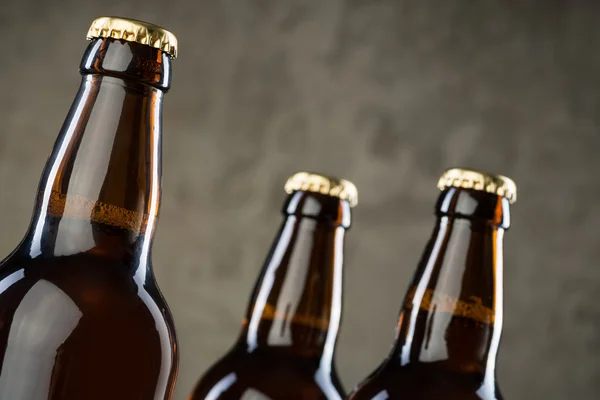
477, 180
334, 187
136, 31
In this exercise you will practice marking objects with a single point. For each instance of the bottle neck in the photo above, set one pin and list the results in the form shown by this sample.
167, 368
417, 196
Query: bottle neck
100, 190
296, 305
452, 315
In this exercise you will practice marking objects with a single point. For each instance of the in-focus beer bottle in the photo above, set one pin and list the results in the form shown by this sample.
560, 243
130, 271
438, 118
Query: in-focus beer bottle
286, 347
81, 316
449, 328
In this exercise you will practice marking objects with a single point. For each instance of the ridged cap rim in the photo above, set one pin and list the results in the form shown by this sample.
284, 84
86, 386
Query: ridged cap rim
136, 31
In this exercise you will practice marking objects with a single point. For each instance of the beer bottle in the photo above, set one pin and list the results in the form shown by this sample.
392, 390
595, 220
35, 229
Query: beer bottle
81, 316
286, 347
449, 328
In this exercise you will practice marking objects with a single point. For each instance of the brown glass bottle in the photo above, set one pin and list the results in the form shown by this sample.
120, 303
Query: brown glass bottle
81, 316
449, 328
286, 347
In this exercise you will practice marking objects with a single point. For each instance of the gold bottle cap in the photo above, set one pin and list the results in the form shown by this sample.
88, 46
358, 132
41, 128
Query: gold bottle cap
327, 185
477, 180
132, 30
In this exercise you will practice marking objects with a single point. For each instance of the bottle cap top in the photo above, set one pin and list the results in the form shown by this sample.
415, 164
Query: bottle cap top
132, 30
477, 180
326, 185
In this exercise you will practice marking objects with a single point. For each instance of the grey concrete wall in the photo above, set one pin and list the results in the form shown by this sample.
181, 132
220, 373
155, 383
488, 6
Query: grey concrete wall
386, 93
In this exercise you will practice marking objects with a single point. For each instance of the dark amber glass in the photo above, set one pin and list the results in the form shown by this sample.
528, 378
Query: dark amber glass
449, 328
286, 347
81, 316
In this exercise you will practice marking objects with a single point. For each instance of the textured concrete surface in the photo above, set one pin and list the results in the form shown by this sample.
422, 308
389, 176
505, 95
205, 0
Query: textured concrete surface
384, 92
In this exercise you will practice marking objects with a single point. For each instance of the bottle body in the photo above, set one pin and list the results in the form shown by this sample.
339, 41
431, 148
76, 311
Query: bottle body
81, 316
79, 326
450, 324
286, 346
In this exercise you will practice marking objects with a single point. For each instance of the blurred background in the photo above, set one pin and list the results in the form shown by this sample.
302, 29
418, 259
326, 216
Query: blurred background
386, 93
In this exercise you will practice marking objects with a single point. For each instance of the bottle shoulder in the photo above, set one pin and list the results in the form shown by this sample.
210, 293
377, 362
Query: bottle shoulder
256, 376
424, 381
91, 284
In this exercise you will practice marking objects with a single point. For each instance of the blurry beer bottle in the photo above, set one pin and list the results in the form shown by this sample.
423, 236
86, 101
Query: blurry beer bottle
81, 316
449, 329
286, 347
